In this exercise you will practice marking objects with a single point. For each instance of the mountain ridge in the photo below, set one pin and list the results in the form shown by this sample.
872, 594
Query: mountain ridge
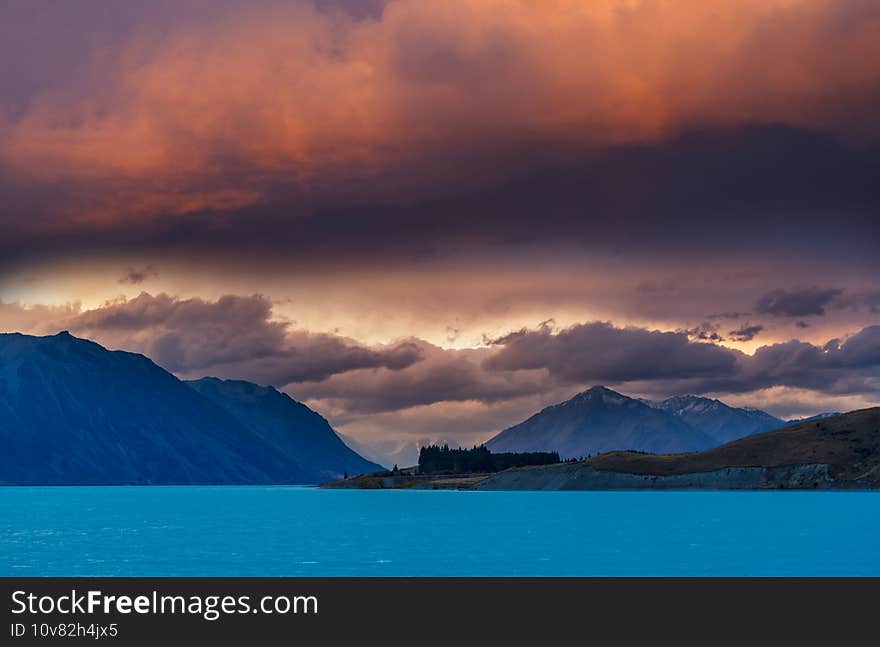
301, 434
718, 419
580, 426
597, 420
74, 412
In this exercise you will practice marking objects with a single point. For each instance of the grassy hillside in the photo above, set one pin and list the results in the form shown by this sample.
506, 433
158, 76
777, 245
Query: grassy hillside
849, 444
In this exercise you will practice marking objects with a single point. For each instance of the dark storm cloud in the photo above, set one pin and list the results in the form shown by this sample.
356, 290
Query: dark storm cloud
706, 331
541, 362
442, 376
746, 332
136, 276
671, 363
797, 303
422, 128
234, 336
313, 357
600, 352
705, 194
849, 366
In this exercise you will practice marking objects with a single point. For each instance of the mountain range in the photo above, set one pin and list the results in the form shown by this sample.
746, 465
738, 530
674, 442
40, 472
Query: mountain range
601, 420
73, 412
721, 422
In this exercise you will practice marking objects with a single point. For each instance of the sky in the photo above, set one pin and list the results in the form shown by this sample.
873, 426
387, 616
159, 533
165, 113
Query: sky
429, 219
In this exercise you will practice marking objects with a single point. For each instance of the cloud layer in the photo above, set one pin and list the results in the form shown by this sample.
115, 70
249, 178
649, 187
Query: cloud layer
238, 337
233, 337
670, 362
690, 191
601, 353
797, 303
216, 114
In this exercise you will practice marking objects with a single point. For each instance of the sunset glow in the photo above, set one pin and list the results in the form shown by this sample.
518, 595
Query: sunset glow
429, 219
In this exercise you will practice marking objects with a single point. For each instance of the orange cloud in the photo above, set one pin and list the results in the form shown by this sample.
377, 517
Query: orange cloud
211, 116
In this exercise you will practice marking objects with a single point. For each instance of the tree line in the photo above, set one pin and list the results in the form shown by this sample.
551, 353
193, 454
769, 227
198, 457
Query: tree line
436, 459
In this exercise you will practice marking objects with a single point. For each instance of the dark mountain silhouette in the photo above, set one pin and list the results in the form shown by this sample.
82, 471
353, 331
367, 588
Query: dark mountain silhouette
601, 420
301, 435
720, 421
73, 412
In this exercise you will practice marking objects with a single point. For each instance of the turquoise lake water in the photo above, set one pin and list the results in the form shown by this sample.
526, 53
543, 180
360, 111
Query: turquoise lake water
289, 531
